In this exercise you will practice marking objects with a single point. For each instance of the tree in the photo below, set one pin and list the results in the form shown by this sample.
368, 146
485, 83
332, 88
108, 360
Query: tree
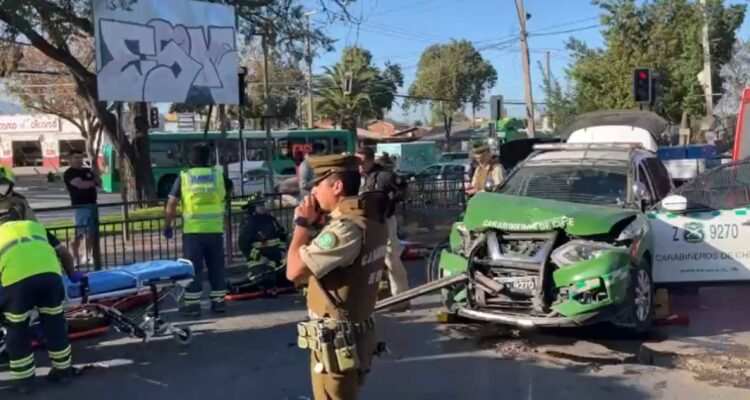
370, 92
664, 35
735, 76
560, 103
51, 26
449, 76
347, 107
47, 87
286, 83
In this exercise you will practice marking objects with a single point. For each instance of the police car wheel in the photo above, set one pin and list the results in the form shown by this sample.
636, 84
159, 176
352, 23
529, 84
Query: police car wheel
639, 304
433, 261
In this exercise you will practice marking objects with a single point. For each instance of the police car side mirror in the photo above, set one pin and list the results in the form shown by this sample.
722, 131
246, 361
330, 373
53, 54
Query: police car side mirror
641, 192
674, 203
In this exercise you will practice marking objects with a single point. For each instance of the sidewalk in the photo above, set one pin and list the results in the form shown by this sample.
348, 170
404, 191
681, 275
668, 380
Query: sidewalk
716, 344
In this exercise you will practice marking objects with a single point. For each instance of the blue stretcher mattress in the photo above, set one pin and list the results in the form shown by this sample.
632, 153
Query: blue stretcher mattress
130, 276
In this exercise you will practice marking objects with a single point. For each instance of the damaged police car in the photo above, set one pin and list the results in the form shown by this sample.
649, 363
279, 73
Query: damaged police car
566, 240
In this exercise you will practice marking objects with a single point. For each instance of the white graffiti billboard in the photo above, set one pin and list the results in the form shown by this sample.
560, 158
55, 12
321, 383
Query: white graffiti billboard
172, 51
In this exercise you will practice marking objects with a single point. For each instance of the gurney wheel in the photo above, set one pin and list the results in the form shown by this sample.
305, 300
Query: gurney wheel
184, 336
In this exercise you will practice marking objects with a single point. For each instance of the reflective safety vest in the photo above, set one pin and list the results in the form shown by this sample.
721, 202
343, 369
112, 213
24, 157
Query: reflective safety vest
202, 200
25, 252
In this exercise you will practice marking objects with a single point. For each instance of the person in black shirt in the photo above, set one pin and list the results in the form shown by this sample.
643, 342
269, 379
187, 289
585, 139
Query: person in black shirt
375, 178
81, 183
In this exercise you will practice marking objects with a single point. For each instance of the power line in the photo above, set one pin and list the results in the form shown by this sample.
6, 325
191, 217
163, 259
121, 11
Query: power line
565, 31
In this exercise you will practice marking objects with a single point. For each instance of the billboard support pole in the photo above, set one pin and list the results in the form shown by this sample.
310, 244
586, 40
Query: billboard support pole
225, 167
124, 181
267, 113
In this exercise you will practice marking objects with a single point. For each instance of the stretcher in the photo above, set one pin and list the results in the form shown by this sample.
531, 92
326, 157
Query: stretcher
99, 292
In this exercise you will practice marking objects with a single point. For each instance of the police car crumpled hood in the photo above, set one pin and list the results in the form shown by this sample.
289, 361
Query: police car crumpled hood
519, 214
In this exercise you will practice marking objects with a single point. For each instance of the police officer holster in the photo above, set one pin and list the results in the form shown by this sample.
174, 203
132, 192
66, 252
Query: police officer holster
334, 341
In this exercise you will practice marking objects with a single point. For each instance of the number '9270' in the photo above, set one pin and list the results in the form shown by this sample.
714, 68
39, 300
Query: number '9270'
696, 232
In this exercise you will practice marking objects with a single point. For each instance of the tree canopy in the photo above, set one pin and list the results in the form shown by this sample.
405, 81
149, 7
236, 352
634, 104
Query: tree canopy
450, 76
664, 35
371, 93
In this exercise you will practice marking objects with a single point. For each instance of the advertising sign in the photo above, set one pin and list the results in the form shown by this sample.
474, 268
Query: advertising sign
708, 246
29, 123
166, 51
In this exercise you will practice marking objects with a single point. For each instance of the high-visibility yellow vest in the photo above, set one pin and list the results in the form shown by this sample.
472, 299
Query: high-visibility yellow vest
202, 193
25, 252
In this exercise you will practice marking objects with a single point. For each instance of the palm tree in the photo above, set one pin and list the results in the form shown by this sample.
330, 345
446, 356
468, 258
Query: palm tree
347, 109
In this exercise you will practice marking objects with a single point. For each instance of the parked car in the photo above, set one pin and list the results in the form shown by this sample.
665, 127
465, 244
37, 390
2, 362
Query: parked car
460, 156
444, 171
254, 178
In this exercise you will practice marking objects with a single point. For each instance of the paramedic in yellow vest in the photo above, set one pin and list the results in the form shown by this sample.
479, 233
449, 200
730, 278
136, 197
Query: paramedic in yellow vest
201, 190
488, 169
343, 266
30, 276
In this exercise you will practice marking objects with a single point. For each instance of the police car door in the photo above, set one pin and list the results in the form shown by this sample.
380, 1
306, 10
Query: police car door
701, 232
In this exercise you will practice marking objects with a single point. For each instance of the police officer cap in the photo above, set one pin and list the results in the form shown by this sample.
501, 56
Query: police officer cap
480, 148
324, 166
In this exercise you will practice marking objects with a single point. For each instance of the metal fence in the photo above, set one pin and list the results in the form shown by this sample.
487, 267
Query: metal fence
724, 187
137, 236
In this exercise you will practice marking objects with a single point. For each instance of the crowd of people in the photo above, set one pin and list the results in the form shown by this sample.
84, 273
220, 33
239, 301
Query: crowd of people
344, 240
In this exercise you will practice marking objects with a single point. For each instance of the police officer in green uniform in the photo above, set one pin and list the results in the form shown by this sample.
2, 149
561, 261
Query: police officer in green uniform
30, 277
202, 190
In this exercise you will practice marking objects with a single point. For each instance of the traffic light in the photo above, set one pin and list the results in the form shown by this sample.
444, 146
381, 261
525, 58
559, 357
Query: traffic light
496, 108
643, 86
153, 117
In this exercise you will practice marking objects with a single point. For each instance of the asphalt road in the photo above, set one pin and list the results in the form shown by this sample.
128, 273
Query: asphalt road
46, 199
251, 354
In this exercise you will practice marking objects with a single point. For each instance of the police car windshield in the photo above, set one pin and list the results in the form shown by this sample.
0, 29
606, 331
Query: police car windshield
587, 184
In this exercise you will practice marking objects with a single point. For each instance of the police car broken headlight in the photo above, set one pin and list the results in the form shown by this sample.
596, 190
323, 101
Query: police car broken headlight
467, 240
576, 251
634, 230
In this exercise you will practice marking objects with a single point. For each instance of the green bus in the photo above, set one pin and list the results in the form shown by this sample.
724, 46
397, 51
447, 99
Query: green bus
169, 152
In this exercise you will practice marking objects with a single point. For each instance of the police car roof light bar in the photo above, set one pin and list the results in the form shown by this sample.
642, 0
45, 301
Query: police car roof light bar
588, 146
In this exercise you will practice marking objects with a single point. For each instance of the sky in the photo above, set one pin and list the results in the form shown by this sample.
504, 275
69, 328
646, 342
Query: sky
399, 30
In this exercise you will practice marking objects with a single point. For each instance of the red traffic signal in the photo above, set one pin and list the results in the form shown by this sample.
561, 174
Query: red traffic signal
643, 85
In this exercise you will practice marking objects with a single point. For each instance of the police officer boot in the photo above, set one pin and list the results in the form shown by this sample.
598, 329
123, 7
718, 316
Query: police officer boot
24, 386
61, 376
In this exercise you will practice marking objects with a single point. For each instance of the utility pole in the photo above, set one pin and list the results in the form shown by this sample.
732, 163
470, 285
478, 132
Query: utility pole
267, 113
309, 60
707, 84
548, 69
526, 71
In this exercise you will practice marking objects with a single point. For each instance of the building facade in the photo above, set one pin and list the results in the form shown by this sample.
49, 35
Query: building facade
38, 140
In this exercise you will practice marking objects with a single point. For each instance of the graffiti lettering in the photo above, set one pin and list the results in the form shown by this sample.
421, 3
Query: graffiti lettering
162, 62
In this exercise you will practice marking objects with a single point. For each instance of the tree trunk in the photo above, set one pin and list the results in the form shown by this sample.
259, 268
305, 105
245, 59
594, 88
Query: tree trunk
144, 186
448, 121
92, 148
86, 87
